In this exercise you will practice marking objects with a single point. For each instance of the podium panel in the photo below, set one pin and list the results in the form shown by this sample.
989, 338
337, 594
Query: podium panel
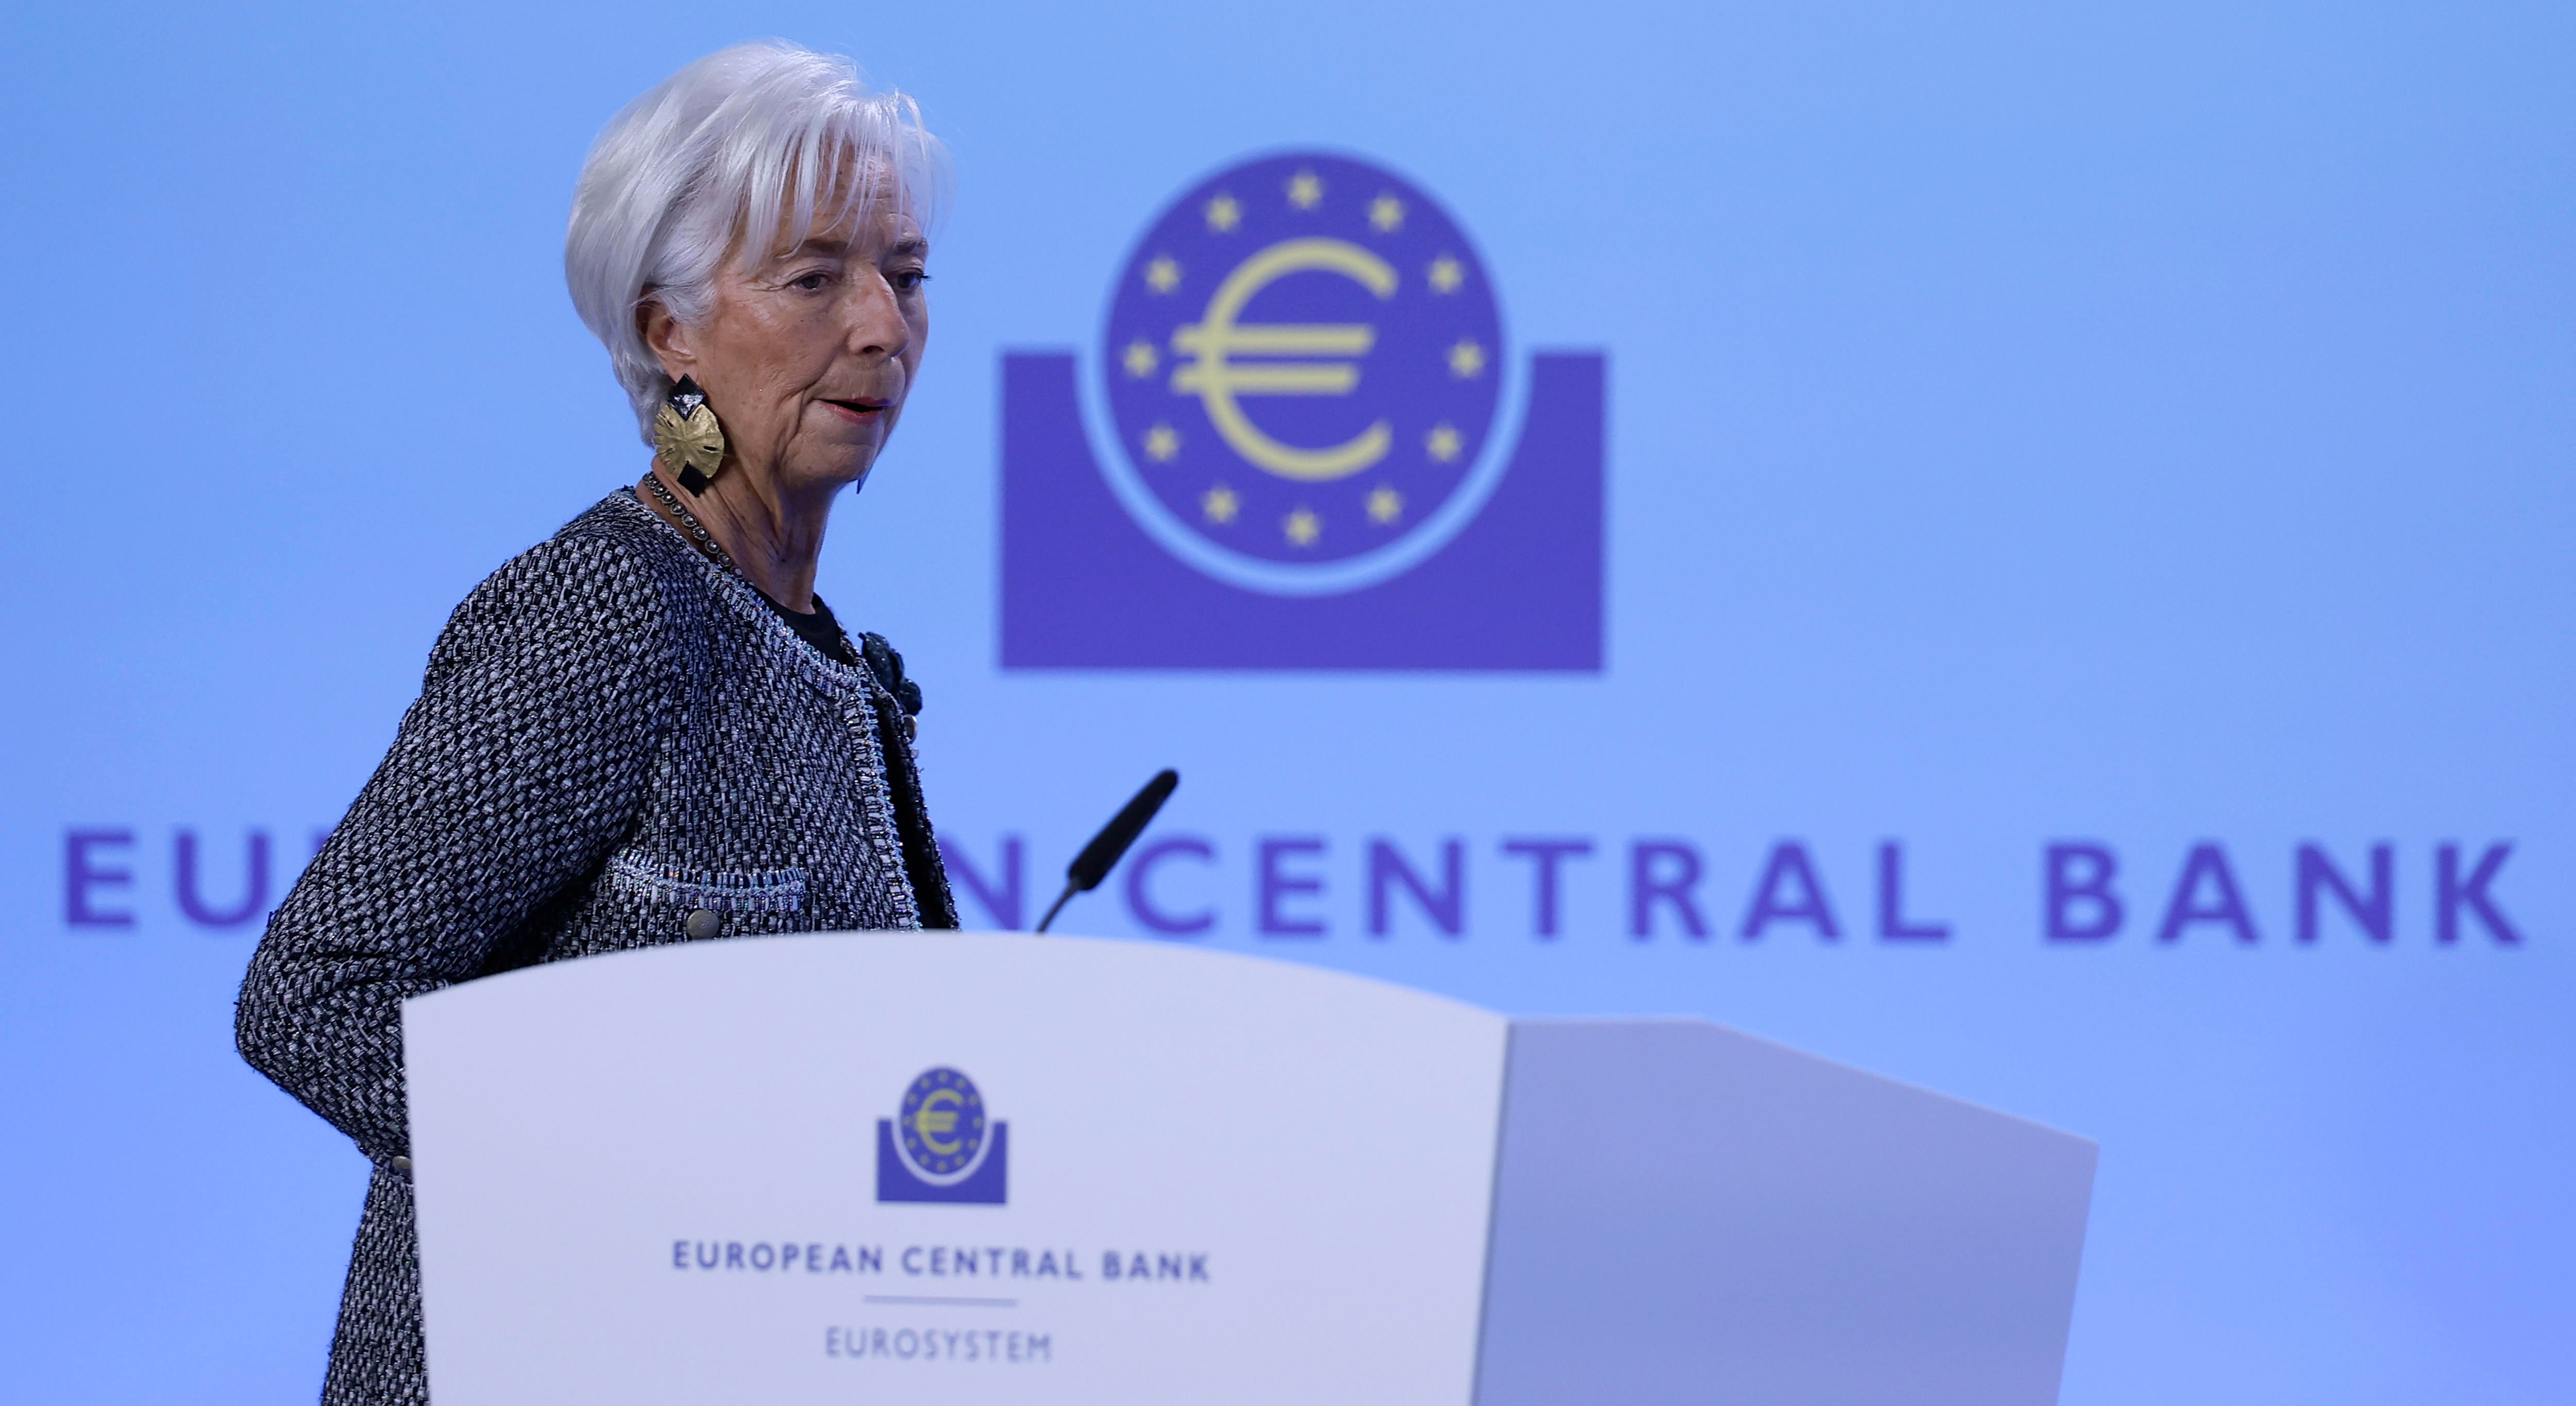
963, 1168
1685, 1214
986, 1168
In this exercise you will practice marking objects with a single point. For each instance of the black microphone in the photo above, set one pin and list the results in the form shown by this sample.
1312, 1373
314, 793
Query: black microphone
1102, 854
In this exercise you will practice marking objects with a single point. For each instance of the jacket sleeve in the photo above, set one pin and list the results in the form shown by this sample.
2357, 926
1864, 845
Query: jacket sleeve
513, 775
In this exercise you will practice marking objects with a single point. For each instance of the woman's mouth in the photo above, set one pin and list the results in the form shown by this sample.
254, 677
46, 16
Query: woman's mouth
865, 412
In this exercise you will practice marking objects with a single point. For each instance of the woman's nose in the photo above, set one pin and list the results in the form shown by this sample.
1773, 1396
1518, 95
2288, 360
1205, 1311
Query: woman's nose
877, 328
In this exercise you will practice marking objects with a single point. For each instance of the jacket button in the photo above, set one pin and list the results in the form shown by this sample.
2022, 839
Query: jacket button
704, 924
400, 1164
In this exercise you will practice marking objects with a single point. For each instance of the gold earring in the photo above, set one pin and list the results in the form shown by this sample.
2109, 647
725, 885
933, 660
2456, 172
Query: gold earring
687, 440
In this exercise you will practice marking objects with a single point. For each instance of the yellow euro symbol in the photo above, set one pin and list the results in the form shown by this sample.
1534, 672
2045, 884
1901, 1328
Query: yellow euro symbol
1216, 381
937, 1116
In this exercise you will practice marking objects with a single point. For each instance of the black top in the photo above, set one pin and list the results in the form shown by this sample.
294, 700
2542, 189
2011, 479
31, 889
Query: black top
818, 629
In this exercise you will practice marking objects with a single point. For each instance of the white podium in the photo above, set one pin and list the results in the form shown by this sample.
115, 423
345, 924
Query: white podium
980, 1168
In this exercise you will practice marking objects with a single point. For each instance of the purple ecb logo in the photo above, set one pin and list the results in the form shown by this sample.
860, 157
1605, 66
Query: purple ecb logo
1302, 445
939, 1146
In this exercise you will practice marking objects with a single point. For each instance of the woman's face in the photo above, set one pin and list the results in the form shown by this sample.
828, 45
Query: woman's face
807, 356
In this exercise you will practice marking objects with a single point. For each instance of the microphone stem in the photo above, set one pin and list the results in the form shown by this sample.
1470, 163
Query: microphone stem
1058, 906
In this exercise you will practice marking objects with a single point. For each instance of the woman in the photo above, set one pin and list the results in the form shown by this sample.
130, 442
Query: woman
647, 729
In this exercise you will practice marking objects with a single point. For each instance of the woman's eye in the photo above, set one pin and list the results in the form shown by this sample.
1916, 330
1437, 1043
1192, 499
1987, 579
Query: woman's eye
906, 280
812, 282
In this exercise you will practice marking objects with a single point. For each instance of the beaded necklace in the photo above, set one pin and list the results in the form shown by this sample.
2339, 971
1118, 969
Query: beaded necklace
689, 523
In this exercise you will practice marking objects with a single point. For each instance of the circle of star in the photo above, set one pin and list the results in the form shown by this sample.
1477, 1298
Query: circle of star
1439, 350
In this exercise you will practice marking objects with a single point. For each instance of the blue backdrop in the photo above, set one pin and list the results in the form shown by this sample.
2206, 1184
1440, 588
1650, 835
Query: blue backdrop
2136, 429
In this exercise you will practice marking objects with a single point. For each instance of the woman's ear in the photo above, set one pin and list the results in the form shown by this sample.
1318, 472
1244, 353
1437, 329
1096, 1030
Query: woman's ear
668, 337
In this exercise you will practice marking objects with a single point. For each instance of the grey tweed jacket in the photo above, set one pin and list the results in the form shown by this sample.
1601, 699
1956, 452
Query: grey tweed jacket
617, 744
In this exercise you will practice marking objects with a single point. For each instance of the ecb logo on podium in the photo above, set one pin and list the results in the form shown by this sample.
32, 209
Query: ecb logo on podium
939, 1146
1302, 442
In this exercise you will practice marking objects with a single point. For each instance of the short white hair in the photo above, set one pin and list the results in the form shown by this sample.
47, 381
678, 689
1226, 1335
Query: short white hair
724, 148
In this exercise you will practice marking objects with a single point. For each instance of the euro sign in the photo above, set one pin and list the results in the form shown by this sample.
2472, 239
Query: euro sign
1217, 380
937, 1122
